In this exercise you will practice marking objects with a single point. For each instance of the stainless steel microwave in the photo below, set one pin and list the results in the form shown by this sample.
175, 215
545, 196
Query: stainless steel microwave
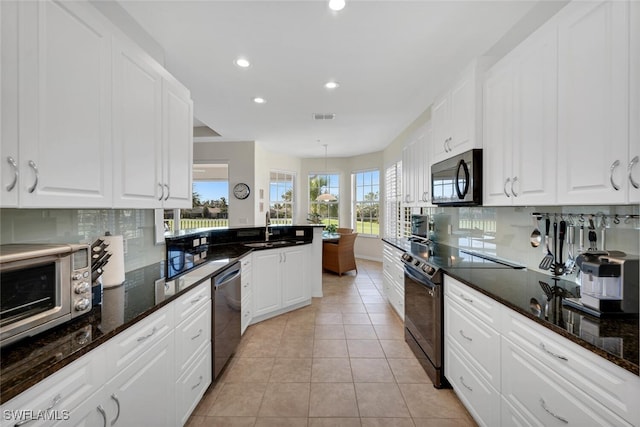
457, 181
42, 286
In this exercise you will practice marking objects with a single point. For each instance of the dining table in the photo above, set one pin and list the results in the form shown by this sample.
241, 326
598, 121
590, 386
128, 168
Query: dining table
330, 237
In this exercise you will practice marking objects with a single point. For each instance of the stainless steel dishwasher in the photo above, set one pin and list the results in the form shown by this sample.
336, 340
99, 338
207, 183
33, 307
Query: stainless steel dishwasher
226, 316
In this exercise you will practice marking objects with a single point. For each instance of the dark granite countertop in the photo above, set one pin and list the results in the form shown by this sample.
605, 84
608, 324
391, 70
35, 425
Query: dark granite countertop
615, 339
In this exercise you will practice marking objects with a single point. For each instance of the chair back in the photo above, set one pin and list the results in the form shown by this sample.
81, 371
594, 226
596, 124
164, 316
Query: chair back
344, 230
347, 241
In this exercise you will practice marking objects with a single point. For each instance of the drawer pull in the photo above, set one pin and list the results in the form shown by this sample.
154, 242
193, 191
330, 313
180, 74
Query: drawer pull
115, 398
14, 165
464, 336
465, 386
198, 334
557, 417
104, 415
54, 402
469, 300
197, 385
195, 300
553, 354
153, 331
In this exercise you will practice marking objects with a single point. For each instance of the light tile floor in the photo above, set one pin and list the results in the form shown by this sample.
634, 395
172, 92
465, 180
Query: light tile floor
340, 362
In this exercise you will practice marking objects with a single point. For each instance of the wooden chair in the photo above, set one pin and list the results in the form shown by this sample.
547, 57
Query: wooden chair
344, 230
339, 257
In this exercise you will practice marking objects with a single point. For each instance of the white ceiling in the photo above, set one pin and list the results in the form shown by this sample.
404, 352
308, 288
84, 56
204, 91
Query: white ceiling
391, 59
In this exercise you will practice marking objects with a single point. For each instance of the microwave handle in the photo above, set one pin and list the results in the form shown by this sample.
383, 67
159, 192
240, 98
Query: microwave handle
462, 193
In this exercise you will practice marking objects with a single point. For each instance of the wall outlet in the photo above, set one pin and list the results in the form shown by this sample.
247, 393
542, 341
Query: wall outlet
449, 231
125, 246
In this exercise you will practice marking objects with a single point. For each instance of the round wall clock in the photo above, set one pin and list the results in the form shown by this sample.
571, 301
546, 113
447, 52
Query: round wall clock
241, 191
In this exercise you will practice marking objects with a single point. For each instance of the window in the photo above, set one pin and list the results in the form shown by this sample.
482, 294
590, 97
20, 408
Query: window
367, 202
281, 197
393, 201
210, 192
324, 212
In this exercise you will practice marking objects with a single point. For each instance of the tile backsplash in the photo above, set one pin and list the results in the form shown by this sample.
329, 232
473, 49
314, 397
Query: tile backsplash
505, 231
85, 226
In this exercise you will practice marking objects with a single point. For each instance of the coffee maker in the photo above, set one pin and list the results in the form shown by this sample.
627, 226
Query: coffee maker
609, 285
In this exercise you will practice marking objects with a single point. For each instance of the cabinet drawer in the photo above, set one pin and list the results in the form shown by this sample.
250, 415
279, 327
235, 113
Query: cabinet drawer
192, 301
246, 263
60, 392
479, 342
479, 397
191, 386
612, 386
191, 336
130, 344
545, 398
483, 307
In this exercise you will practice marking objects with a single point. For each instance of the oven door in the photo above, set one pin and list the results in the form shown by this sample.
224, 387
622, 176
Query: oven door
423, 313
34, 296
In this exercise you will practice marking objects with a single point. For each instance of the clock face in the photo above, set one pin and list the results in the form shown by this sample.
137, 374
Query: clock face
241, 191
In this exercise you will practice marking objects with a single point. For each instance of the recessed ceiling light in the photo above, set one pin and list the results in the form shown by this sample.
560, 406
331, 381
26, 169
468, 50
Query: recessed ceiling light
259, 100
242, 62
336, 5
331, 85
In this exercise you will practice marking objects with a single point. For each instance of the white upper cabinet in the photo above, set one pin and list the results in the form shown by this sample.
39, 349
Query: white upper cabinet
593, 103
9, 175
416, 174
520, 98
137, 128
92, 121
633, 168
64, 105
177, 144
456, 116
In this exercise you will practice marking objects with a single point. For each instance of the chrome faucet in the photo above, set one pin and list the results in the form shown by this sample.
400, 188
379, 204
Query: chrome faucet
266, 231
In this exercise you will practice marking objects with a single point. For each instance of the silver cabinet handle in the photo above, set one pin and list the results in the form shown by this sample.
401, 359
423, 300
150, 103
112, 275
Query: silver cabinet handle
504, 188
197, 385
469, 300
104, 415
195, 300
629, 169
553, 354
115, 397
557, 417
33, 166
513, 183
449, 144
464, 336
611, 169
14, 165
168, 191
161, 191
148, 336
198, 334
54, 402
465, 386
444, 144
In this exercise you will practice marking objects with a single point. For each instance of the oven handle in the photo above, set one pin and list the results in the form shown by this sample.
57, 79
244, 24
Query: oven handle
412, 273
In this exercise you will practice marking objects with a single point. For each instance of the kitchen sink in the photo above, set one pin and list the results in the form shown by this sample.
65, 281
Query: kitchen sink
272, 244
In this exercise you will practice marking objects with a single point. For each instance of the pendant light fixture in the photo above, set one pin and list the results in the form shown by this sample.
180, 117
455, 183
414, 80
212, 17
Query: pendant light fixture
326, 196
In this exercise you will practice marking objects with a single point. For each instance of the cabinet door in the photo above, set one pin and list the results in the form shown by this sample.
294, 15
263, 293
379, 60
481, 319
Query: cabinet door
441, 123
144, 391
64, 92
89, 413
295, 287
633, 168
267, 291
137, 128
463, 114
593, 96
9, 176
424, 176
408, 190
498, 135
535, 118
177, 145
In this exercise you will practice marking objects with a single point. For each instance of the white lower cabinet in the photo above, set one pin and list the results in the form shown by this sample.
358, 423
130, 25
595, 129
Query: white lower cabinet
393, 278
281, 284
152, 374
246, 304
545, 398
508, 370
